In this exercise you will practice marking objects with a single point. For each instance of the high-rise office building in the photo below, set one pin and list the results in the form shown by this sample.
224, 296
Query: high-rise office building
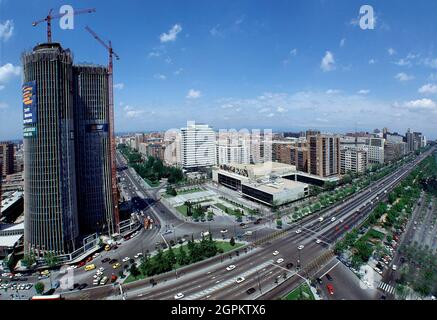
67, 162
50, 206
324, 159
197, 146
96, 212
7, 158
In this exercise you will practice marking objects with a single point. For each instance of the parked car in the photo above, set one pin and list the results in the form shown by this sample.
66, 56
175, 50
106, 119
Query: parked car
330, 288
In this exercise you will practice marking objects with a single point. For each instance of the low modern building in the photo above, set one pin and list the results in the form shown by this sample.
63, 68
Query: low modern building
270, 183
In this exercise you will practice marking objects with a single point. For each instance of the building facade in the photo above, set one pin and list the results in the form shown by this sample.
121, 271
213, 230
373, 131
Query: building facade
50, 206
7, 158
353, 160
92, 143
324, 155
197, 146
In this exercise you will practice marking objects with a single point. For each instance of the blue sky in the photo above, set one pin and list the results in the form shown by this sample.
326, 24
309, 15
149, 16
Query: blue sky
244, 64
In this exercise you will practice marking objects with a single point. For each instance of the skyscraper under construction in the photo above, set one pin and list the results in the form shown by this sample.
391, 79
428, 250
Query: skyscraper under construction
93, 162
67, 167
50, 202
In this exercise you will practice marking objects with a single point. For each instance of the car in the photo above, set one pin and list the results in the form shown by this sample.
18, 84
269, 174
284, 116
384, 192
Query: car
275, 253
250, 291
115, 266
332, 219
101, 269
95, 255
298, 231
300, 247
45, 273
320, 219
280, 260
125, 259
104, 280
106, 260
231, 267
328, 276
112, 261
289, 265
242, 224
394, 267
330, 288
180, 295
113, 278
224, 230
319, 281
318, 241
90, 267
341, 220
139, 254
240, 279
89, 259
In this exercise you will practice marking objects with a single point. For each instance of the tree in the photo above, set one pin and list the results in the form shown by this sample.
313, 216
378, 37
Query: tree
171, 256
134, 271
39, 287
28, 260
51, 259
232, 241
182, 258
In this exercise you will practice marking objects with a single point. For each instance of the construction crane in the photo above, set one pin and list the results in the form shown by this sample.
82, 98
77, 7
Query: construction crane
50, 17
111, 53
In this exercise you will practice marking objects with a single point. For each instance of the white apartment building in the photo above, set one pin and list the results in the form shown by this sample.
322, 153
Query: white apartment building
198, 146
353, 159
375, 150
261, 146
232, 147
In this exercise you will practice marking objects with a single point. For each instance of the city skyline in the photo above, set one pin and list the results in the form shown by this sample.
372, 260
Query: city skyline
242, 66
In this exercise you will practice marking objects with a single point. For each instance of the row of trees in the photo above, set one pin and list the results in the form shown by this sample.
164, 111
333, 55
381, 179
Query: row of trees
165, 261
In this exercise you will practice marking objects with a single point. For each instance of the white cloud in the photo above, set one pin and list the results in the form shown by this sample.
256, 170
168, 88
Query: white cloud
132, 112
432, 77
264, 110
160, 76
403, 62
193, 94
293, 52
6, 30
401, 76
119, 86
332, 91
363, 91
328, 62
172, 34
342, 42
178, 71
430, 62
281, 109
391, 51
372, 61
428, 88
2, 87
421, 104
214, 31
270, 115
8, 71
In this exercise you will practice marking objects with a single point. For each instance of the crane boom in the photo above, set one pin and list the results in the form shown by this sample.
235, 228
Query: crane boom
50, 17
114, 220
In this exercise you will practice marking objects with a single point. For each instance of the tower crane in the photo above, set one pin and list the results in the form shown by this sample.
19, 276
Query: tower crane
51, 16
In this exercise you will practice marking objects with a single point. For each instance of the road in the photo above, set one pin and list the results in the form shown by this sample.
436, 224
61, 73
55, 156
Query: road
258, 266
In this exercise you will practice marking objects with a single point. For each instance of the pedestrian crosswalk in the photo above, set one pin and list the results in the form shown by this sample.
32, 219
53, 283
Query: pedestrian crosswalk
386, 287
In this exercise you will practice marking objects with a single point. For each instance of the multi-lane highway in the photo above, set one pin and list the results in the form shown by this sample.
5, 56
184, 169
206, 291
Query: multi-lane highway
269, 277
259, 266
